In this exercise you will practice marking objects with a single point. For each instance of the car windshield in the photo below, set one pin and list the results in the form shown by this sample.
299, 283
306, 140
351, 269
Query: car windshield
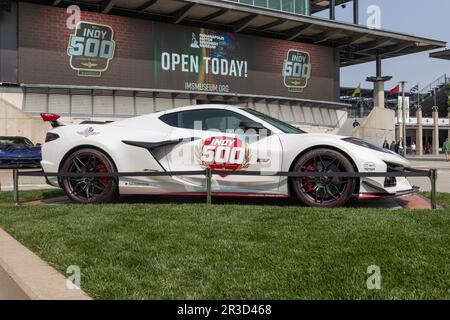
15, 141
283, 126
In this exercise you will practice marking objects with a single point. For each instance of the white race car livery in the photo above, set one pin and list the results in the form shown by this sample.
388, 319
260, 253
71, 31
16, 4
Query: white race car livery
220, 137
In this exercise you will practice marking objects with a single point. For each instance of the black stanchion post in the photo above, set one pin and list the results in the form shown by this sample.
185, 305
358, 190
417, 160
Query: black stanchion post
433, 179
208, 185
16, 186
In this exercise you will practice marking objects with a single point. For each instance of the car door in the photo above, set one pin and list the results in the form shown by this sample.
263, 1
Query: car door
213, 138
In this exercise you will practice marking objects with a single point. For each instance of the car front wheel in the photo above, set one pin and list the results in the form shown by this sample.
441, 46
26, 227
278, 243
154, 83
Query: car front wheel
323, 191
89, 189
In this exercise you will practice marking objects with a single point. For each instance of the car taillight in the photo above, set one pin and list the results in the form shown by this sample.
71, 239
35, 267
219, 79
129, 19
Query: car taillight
51, 136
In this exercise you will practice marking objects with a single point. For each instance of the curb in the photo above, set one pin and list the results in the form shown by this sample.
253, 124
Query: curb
32, 275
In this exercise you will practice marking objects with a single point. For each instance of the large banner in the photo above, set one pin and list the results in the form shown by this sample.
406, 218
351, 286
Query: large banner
111, 51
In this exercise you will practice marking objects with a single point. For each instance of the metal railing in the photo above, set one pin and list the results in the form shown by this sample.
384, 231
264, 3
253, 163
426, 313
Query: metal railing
430, 89
208, 173
12, 167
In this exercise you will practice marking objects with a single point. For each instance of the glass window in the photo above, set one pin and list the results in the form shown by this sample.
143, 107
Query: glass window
281, 125
15, 141
171, 119
261, 3
287, 5
294, 6
274, 4
301, 6
205, 119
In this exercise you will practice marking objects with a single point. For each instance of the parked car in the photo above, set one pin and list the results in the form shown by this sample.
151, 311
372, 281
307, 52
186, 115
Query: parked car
19, 152
219, 137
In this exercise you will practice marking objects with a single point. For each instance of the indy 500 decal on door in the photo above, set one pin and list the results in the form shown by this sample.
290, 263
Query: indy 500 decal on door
223, 153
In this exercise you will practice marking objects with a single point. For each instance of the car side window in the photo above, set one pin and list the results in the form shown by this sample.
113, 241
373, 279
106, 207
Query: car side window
171, 119
205, 119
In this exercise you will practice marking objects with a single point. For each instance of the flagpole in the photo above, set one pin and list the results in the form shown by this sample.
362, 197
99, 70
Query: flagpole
360, 102
418, 94
404, 117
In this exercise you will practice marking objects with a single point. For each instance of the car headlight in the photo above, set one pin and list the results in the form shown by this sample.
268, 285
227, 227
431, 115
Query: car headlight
365, 144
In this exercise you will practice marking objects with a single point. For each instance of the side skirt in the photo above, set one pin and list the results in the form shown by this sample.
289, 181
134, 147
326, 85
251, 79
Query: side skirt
226, 194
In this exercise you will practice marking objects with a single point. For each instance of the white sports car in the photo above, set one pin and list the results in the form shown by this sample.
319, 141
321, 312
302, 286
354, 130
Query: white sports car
220, 137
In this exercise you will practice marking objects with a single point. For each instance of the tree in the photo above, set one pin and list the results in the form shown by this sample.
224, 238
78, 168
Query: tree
447, 91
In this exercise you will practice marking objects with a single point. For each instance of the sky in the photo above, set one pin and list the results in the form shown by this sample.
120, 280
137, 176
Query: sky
425, 18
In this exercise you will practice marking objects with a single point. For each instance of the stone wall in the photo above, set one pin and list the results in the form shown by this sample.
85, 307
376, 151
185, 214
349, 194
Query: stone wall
378, 126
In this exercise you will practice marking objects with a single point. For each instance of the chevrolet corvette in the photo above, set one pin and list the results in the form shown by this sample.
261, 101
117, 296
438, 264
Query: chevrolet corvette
220, 137
19, 152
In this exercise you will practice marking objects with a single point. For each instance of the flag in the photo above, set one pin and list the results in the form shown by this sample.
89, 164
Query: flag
395, 90
357, 91
415, 88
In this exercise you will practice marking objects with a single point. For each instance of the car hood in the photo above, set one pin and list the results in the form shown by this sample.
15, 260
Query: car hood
339, 142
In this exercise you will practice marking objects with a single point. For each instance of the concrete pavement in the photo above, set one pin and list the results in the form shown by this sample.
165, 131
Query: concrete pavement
10, 290
23, 275
26, 183
426, 163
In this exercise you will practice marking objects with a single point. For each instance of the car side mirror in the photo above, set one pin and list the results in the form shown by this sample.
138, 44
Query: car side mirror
257, 127
251, 125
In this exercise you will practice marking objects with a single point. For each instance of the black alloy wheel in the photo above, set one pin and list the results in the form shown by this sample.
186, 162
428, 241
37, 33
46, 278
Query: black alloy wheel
89, 189
323, 191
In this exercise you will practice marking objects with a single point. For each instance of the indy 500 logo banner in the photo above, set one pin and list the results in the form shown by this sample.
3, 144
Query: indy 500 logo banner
91, 48
297, 70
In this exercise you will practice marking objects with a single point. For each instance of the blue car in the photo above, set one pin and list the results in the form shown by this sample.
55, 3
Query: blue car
19, 152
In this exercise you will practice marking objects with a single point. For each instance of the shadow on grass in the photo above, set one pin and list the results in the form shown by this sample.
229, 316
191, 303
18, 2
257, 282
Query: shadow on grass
57, 197
268, 201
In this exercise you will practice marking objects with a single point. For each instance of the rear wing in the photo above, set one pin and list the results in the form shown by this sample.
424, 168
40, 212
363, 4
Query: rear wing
52, 118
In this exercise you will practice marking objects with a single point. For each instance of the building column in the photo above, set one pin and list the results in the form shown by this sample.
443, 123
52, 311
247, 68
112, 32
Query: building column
378, 91
400, 129
332, 9
435, 130
355, 12
308, 7
378, 85
419, 141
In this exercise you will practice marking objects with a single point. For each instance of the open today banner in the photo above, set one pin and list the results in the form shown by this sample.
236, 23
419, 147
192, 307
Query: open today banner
112, 51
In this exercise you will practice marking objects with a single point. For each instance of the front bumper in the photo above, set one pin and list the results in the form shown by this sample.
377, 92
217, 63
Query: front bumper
411, 191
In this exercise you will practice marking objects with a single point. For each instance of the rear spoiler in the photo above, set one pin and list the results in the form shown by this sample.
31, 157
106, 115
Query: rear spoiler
52, 118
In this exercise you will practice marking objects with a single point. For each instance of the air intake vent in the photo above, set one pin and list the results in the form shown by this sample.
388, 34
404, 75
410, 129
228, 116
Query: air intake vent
392, 181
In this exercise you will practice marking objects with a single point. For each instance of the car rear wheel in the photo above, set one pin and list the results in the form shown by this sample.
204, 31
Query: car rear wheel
89, 189
323, 191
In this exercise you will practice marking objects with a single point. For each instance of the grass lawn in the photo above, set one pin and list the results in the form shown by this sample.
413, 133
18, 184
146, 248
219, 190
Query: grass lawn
192, 251
7, 198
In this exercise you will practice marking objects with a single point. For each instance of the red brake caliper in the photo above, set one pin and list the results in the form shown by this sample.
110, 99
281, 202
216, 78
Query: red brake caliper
101, 168
309, 186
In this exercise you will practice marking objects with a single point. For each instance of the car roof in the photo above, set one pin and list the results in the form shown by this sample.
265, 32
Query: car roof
202, 106
186, 108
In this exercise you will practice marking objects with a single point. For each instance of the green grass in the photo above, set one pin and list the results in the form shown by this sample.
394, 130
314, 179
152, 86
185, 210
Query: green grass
443, 199
7, 198
185, 251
